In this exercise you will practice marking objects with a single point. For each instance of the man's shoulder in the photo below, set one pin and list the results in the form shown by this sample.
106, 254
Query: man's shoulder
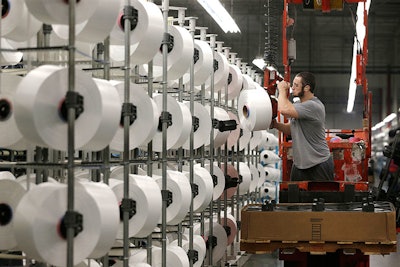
315, 101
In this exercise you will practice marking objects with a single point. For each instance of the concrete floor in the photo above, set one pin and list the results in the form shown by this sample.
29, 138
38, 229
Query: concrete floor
272, 260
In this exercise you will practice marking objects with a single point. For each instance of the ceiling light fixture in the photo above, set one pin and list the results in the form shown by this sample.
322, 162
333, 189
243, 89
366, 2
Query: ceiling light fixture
358, 40
378, 126
390, 117
259, 62
215, 9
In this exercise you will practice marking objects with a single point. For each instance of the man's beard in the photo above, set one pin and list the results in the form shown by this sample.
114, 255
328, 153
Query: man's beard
301, 94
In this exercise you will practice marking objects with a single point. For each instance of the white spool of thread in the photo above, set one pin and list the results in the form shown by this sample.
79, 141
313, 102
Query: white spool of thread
181, 190
139, 264
57, 11
230, 222
38, 102
272, 174
82, 175
38, 224
248, 83
178, 132
268, 190
6, 175
245, 173
10, 136
204, 182
256, 139
32, 179
143, 129
235, 81
244, 139
262, 175
88, 263
234, 134
106, 203
268, 157
198, 245
221, 73
269, 141
203, 65
219, 137
148, 19
9, 58
16, 22
147, 195
219, 180
110, 116
146, 37
219, 233
11, 192
138, 255
117, 172
97, 27
255, 109
202, 134
233, 173
179, 57
176, 257
255, 177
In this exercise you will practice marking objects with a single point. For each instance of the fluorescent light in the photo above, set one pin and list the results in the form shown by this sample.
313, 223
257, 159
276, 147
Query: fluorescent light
378, 125
352, 84
259, 62
390, 117
360, 29
220, 15
271, 68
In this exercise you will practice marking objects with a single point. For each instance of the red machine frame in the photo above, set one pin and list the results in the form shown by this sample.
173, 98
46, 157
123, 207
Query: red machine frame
344, 149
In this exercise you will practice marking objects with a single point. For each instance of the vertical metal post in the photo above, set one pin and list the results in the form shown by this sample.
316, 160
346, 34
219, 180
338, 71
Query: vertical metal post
202, 149
71, 132
225, 222
165, 9
150, 156
127, 26
180, 152
192, 26
211, 149
106, 150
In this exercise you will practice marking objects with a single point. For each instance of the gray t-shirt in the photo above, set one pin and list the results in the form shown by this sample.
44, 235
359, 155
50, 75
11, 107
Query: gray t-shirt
308, 134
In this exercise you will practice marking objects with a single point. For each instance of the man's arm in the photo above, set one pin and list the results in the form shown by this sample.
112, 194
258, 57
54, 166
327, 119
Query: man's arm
283, 127
285, 107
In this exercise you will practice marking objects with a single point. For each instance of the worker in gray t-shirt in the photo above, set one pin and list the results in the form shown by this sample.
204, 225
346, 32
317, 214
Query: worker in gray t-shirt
312, 160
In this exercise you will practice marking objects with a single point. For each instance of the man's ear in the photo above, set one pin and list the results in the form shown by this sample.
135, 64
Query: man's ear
307, 88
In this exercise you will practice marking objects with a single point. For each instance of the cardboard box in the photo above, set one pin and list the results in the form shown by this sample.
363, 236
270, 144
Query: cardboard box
318, 226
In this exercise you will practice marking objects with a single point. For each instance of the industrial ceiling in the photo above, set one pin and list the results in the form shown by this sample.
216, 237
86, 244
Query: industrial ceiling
324, 44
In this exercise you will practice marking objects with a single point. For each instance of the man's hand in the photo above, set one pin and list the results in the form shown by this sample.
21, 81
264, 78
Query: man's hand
283, 127
273, 124
283, 87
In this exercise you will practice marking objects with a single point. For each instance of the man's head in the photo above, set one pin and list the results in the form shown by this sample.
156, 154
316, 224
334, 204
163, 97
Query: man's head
303, 83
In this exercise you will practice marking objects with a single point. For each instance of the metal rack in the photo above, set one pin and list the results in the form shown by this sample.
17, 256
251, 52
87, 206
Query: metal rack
63, 165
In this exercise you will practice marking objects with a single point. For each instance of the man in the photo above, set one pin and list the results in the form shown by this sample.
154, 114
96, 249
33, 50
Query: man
312, 160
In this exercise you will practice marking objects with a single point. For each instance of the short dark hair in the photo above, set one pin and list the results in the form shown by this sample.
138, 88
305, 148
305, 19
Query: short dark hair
307, 78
